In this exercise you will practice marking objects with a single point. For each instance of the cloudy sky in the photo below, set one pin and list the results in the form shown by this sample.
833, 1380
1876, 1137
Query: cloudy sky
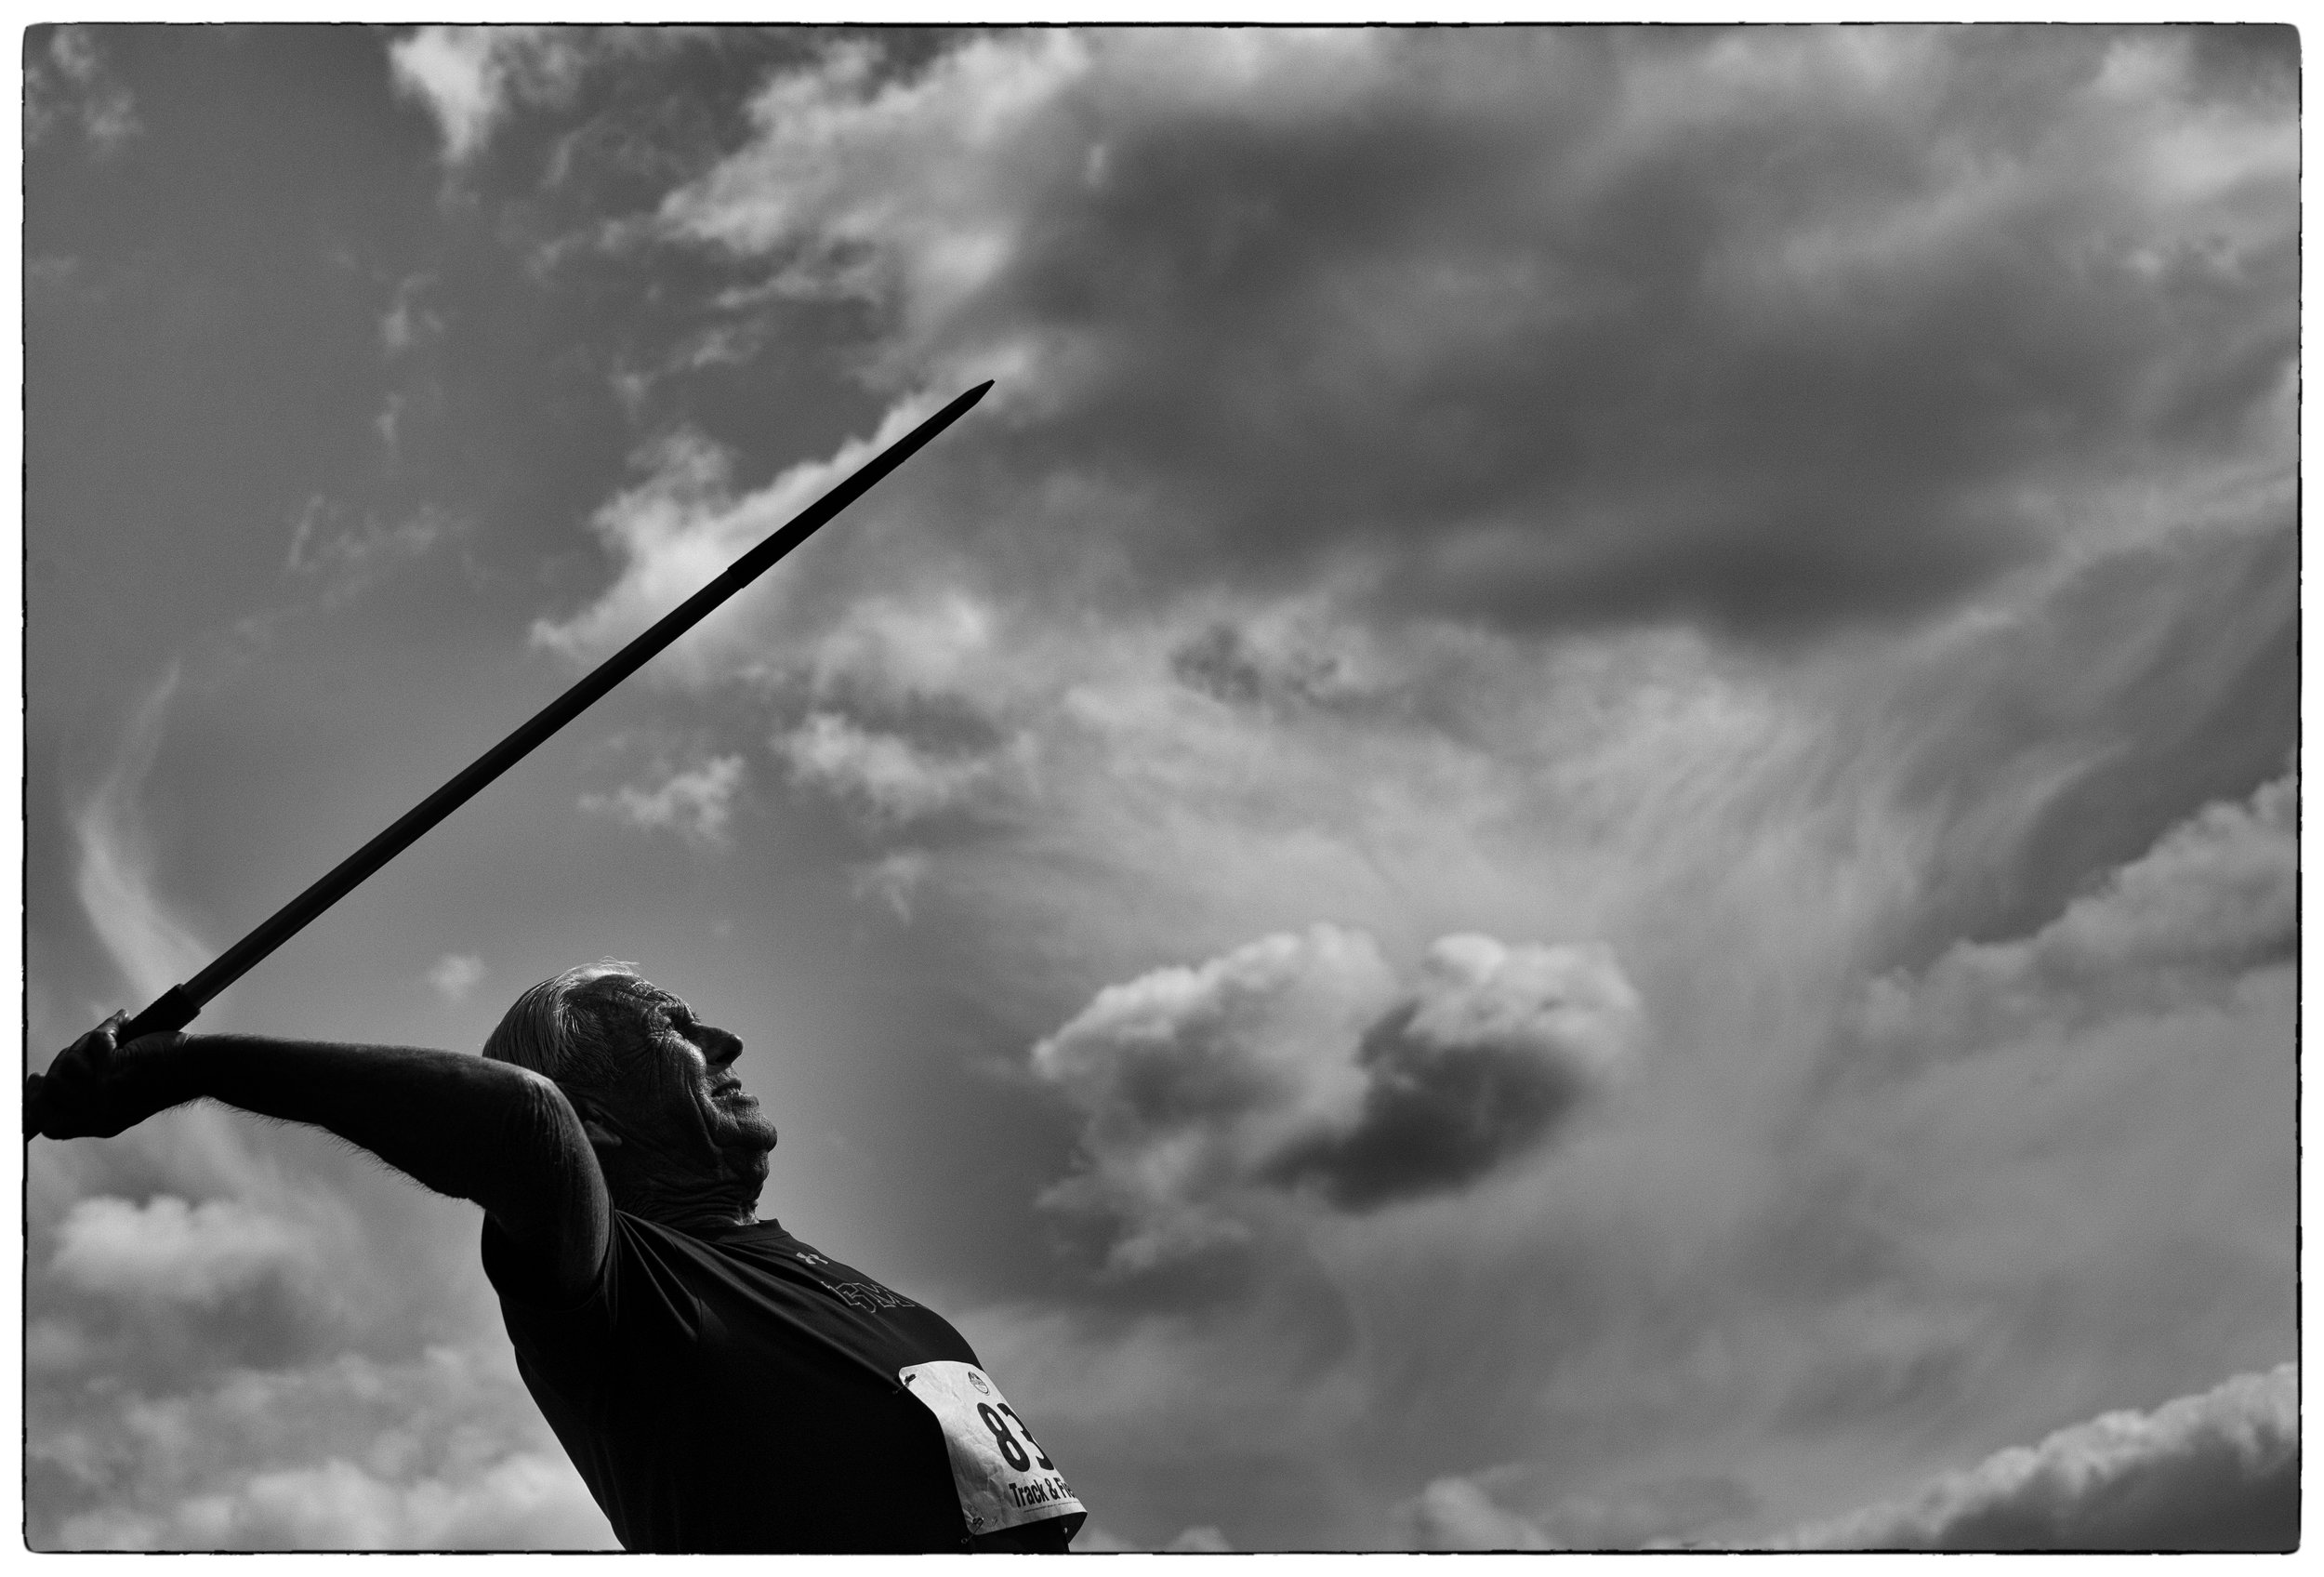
1571, 824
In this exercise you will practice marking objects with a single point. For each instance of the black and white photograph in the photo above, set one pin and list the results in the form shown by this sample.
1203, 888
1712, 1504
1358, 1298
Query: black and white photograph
1148, 787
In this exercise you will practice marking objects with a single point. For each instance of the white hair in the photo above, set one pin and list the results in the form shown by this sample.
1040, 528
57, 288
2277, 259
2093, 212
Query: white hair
571, 1027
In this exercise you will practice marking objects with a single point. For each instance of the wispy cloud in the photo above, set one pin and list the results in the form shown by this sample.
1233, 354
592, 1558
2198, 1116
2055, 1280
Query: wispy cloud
2217, 898
151, 945
343, 558
894, 879
69, 81
407, 321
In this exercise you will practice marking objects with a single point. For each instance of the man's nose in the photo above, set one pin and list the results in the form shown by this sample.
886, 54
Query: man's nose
721, 1047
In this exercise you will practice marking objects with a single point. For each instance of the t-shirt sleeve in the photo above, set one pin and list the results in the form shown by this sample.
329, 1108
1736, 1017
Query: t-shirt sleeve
524, 1288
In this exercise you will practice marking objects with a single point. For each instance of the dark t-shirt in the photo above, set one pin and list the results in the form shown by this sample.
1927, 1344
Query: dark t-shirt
737, 1391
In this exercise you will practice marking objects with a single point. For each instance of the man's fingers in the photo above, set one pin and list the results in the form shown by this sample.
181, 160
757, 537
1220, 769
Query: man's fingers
69, 1068
43, 1118
82, 1091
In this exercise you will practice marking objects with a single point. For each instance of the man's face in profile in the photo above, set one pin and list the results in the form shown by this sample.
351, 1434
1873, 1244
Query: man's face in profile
678, 1086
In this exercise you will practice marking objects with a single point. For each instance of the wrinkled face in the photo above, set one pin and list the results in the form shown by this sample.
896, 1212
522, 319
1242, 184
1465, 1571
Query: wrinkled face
679, 1091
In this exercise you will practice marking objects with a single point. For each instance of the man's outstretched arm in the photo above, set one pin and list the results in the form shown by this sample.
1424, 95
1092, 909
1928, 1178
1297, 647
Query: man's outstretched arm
490, 1132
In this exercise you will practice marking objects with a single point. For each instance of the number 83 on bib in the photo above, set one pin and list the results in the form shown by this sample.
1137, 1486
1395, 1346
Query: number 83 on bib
1003, 1476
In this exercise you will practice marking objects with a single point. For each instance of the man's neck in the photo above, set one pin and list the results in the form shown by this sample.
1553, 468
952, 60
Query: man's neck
687, 1204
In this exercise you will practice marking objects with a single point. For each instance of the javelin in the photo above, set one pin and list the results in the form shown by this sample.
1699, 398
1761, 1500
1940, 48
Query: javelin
175, 1008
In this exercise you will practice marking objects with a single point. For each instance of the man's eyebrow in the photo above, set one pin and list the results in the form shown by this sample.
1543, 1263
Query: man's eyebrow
651, 1000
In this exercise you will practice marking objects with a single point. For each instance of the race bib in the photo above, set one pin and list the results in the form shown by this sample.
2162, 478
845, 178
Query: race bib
1003, 1476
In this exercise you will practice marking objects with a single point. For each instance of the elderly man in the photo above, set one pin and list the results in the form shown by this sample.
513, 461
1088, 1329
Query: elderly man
720, 1386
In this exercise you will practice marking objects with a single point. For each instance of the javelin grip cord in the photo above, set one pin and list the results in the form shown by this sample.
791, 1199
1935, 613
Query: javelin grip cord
175, 1008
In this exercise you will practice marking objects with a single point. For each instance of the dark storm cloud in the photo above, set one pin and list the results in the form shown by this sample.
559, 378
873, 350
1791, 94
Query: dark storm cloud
1435, 1116
1772, 329
1301, 1061
1220, 663
2214, 1472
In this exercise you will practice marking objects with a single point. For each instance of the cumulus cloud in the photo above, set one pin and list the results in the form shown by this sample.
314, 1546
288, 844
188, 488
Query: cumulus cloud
1462, 1513
695, 802
149, 945
894, 649
886, 775
1301, 1059
473, 80
1731, 1256
166, 1249
471, 77
678, 529
1193, 1078
523, 1500
456, 974
306, 1357
2216, 899
1455, 1514
1771, 330
454, 72
440, 1451
2218, 1471
1493, 1048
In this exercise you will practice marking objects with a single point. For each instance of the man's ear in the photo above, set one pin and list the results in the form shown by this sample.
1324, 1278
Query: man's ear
601, 1133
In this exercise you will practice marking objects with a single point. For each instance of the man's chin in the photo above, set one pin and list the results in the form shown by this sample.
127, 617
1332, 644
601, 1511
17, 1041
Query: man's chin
746, 1164
754, 1136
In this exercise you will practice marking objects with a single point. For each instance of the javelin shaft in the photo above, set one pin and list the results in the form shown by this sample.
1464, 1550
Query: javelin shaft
177, 1007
